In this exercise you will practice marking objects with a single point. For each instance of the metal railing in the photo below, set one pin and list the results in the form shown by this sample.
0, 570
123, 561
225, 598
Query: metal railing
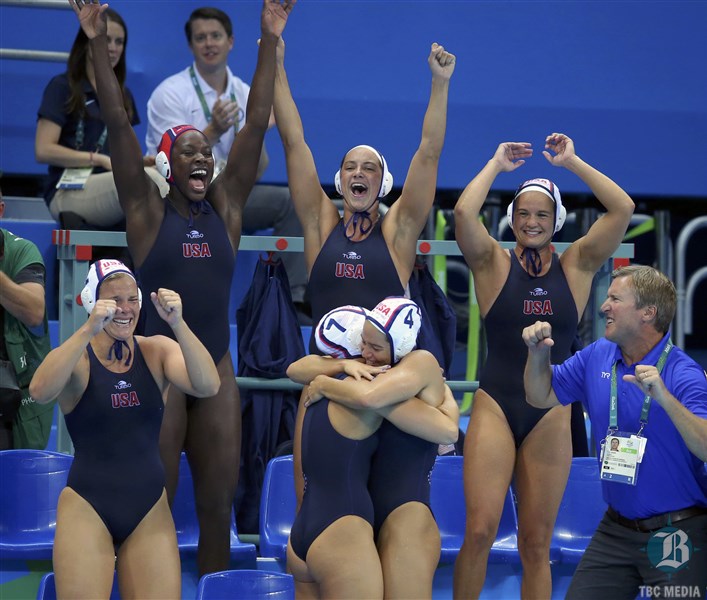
683, 316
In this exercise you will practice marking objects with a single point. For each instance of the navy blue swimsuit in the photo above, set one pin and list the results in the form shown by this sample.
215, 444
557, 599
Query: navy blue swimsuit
400, 472
523, 301
197, 261
345, 272
336, 470
115, 428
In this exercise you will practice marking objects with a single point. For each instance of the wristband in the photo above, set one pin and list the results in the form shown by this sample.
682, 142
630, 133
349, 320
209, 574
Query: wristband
90, 158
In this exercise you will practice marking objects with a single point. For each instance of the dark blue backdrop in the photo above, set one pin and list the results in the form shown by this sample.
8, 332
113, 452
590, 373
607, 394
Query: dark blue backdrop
627, 80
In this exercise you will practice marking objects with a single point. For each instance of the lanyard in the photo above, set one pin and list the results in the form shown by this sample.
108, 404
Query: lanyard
200, 94
613, 405
80, 134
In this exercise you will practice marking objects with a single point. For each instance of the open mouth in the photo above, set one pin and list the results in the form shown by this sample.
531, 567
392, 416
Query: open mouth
359, 189
197, 180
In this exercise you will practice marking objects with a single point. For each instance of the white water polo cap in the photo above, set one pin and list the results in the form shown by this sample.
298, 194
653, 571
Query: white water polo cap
97, 274
338, 333
544, 186
400, 319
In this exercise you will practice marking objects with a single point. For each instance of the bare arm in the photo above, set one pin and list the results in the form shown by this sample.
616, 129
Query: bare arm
605, 235
407, 379
48, 150
24, 301
480, 250
308, 367
692, 428
139, 196
310, 201
187, 363
64, 372
407, 216
537, 377
236, 181
418, 418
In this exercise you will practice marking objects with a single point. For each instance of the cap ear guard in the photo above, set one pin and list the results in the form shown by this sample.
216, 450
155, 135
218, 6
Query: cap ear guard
386, 180
164, 150
97, 273
162, 165
546, 187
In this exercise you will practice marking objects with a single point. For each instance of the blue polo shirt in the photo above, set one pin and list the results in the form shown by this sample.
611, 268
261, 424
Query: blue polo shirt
670, 477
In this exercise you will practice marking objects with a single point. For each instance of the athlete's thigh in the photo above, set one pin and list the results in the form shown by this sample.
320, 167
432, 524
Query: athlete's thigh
543, 465
83, 554
172, 437
410, 529
148, 561
409, 549
340, 555
214, 428
489, 459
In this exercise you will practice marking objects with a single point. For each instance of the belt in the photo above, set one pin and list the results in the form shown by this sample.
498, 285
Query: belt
658, 521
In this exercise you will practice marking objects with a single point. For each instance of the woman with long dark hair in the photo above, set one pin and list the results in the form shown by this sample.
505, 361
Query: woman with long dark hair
72, 137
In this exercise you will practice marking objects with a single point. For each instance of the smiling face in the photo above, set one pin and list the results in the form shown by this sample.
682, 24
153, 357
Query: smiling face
623, 318
375, 347
123, 289
533, 219
192, 163
210, 44
361, 175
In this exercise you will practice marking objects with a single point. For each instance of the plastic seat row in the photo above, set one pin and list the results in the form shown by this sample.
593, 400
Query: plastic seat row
580, 512
32, 481
246, 583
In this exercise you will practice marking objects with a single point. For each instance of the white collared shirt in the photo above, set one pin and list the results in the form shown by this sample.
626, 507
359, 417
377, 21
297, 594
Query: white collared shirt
176, 102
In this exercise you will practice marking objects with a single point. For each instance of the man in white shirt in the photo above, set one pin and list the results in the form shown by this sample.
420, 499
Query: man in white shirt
207, 95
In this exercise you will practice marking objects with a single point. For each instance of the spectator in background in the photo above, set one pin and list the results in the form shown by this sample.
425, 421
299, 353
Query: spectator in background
73, 140
24, 342
210, 97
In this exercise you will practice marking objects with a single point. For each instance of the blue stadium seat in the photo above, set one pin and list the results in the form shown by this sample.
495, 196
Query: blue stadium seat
187, 525
277, 507
47, 588
449, 509
581, 509
31, 483
250, 584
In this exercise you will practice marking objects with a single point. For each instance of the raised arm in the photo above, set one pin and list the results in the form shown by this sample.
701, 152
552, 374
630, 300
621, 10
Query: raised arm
315, 211
409, 213
605, 235
139, 196
187, 363
537, 377
480, 250
239, 175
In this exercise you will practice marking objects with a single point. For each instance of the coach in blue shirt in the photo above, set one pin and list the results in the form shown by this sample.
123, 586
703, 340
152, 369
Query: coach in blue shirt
638, 387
